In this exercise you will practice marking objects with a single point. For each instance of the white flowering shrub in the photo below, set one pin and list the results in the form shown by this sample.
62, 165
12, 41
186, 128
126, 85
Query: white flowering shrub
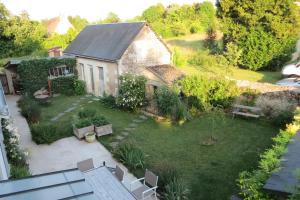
11, 140
131, 92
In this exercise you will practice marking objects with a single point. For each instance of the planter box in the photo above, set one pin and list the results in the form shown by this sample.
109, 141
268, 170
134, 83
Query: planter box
80, 132
103, 130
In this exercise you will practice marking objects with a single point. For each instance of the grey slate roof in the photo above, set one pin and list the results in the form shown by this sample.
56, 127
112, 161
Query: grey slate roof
68, 184
285, 180
105, 41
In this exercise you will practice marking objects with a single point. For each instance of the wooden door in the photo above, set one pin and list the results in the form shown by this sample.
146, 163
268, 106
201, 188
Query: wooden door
101, 81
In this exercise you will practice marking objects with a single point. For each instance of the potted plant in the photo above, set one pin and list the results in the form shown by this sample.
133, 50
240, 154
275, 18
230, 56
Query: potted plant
90, 137
82, 127
102, 126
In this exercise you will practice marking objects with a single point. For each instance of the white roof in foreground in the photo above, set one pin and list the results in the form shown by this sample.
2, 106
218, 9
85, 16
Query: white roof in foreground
96, 184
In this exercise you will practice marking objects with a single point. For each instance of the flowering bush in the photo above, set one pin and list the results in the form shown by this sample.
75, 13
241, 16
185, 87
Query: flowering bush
132, 91
16, 157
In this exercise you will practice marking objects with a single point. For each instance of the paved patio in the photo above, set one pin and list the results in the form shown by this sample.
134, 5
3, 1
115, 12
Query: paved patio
62, 154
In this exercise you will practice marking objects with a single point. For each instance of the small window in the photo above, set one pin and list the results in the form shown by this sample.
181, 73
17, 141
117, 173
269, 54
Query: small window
60, 71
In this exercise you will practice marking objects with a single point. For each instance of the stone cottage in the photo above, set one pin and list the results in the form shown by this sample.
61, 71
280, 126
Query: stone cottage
104, 52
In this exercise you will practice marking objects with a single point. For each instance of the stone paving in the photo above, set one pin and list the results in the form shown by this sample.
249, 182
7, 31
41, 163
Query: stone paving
128, 130
62, 154
75, 105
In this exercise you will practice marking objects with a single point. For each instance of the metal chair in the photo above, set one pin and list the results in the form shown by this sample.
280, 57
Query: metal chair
85, 165
119, 173
148, 188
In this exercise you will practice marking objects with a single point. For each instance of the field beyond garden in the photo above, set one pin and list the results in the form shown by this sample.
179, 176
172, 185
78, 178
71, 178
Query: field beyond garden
209, 171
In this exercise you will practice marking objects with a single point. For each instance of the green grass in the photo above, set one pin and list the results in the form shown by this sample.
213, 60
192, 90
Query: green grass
209, 171
188, 45
59, 104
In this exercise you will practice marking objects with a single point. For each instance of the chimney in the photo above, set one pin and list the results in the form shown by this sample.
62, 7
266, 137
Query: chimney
55, 52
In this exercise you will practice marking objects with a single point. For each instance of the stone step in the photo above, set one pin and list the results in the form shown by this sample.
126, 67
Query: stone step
143, 117
119, 137
129, 129
133, 125
114, 144
125, 133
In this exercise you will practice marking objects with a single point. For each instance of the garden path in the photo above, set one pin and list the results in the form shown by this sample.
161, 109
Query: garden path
62, 154
132, 126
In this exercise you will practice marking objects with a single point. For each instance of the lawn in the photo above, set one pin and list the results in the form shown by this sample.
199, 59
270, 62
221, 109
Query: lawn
192, 43
209, 171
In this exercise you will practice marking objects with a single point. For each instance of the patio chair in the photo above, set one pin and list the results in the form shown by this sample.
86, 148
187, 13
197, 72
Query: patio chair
119, 173
85, 165
148, 188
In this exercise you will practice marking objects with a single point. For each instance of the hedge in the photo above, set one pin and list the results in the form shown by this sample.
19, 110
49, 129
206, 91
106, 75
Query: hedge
34, 73
251, 183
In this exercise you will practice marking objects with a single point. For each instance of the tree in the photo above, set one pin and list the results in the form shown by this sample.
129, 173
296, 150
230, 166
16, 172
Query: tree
266, 31
78, 22
111, 18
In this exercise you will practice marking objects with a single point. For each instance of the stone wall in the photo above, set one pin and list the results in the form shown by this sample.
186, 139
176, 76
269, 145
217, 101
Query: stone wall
274, 91
146, 50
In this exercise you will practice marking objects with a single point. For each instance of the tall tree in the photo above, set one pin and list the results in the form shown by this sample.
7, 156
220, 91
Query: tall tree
266, 30
111, 18
78, 22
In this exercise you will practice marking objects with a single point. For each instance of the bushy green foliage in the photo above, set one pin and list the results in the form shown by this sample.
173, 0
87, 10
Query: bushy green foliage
19, 36
34, 73
178, 20
176, 189
43, 133
64, 85
251, 183
169, 104
166, 100
19, 171
16, 157
86, 113
233, 54
99, 121
69, 85
266, 31
131, 92
79, 87
179, 59
29, 109
81, 123
202, 92
108, 100
130, 155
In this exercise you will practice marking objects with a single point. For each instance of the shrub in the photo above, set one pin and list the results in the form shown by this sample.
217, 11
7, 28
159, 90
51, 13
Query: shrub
251, 183
131, 92
233, 54
279, 110
34, 73
166, 100
86, 113
131, 156
179, 59
99, 121
176, 189
169, 104
43, 133
248, 97
108, 100
64, 85
11, 140
19, 171
81, 123
203, 93
79, 87
30, 109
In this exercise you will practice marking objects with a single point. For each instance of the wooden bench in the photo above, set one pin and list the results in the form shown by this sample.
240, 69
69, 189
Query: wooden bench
247, 111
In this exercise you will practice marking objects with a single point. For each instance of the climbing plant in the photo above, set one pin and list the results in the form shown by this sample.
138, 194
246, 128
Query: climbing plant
34, 73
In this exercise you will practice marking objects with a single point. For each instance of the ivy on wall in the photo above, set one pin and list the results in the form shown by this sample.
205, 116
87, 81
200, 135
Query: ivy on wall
34, 73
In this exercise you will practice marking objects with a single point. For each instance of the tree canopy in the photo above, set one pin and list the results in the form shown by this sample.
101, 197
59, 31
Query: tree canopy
176, 20
265, 30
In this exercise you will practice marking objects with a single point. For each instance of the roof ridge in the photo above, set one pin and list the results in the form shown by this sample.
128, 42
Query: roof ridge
140, 22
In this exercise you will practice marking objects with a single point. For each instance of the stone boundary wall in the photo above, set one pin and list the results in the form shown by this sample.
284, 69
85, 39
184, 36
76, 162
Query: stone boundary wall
275, 91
